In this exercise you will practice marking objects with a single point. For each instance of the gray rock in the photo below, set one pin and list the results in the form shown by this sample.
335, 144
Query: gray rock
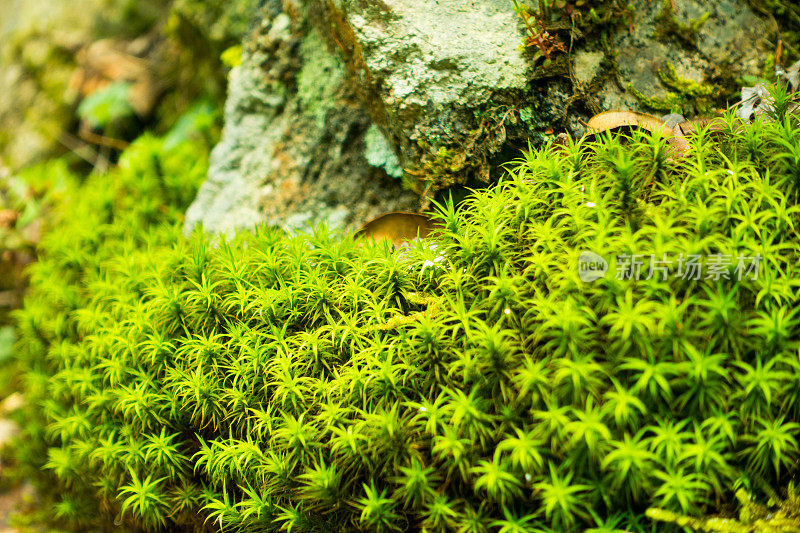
380, 154
229, 199
292, 152
426, 70
439, 91
729, 44
447, 52
587, 65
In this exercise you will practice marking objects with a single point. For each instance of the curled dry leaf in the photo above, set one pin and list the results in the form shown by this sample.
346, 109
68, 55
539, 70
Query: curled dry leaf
673, 127
678, 142
397, 227
615, 120
688, 127
667, 127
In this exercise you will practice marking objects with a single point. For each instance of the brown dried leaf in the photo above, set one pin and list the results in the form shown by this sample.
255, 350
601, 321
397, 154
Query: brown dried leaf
397, 227
613, 120
711, 123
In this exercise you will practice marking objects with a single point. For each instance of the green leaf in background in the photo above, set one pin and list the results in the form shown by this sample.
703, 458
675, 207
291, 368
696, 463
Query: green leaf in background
107, 105
199, 120
232, 57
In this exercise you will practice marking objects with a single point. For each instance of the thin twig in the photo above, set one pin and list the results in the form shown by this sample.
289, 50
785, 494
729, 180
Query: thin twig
90, 136
79, 148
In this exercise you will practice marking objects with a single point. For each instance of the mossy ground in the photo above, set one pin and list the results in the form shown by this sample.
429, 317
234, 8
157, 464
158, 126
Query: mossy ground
472, 382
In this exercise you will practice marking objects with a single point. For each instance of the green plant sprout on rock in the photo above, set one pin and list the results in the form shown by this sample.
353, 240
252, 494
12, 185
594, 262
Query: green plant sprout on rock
555, 25
473, 382
669, 25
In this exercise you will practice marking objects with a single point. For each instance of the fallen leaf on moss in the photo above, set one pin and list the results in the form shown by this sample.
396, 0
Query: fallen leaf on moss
673, 127
688, 127
617, 121
614, 120
397, 227
679, 143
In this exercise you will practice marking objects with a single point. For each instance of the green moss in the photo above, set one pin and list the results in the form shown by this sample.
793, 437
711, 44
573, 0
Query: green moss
685, 96
670, 103
316, 383
669, 27
686, 87
781, 515
442, 168
467, 155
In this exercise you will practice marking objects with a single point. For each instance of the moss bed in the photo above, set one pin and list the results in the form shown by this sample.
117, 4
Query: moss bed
471, 382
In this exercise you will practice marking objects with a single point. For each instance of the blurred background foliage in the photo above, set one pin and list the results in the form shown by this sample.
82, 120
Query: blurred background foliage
142, 64
79, 81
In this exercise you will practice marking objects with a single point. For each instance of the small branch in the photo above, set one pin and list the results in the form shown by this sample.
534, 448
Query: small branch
77, 147
89, 136
415, 298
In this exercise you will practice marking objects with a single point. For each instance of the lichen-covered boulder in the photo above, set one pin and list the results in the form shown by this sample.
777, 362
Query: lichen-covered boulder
296, 142
685, 60
439, 93
425, 68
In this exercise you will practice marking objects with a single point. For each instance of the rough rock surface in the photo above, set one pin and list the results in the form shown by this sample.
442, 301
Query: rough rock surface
293, 147
450, 89
424, 68
729, 45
